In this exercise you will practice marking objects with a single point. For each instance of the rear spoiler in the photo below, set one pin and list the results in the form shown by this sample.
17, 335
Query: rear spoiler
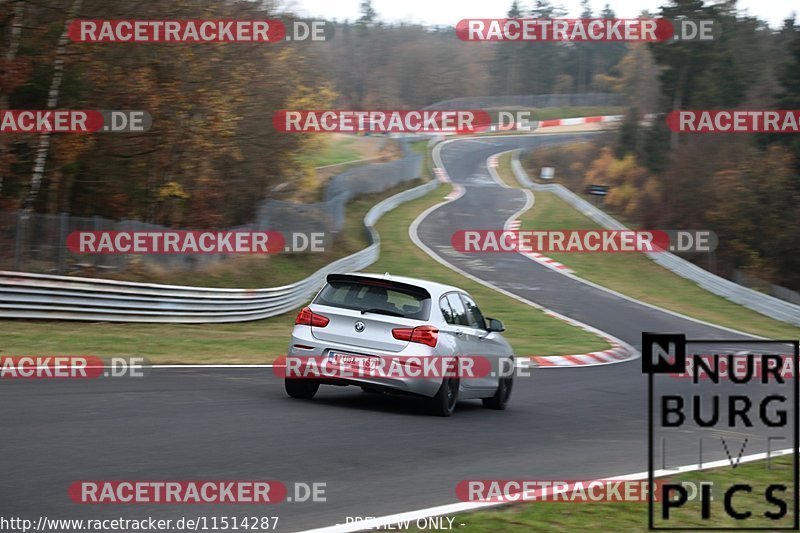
379, 282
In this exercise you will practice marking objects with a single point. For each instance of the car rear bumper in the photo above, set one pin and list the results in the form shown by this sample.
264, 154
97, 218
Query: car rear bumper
397, 379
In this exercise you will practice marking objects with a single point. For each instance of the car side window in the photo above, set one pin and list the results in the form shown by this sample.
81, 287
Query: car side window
474, 315
459, 312
447, 312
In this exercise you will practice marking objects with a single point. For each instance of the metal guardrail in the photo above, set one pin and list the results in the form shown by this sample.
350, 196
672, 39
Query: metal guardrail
757, 301
530, 101
42, 296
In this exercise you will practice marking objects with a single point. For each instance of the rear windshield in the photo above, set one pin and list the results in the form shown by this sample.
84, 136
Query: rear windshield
380, 298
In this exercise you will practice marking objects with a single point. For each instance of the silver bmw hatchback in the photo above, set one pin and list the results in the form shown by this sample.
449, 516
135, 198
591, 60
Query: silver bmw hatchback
360, 322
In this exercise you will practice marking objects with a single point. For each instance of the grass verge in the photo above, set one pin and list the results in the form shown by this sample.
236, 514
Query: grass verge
421, 147
633, 516
635, 275
338, 149
504, 170
530, 331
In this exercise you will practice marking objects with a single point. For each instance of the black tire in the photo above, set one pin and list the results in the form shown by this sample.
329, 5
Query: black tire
304, 389
444, 403
501, 395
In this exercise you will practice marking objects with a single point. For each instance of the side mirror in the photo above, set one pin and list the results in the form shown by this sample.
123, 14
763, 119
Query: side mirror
492, 324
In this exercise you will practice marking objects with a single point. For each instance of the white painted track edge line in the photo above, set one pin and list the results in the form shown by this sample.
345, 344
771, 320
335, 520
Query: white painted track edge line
216, 366
461, 507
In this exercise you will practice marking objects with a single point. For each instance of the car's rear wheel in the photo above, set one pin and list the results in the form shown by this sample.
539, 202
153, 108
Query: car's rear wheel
444, 403
501, 395
301, 388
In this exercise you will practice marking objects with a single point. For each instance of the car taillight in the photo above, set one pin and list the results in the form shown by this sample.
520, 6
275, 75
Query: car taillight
308, 318
422, 334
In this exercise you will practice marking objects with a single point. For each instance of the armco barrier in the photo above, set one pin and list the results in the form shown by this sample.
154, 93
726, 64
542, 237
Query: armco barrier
40, 296
530, 101
757, 301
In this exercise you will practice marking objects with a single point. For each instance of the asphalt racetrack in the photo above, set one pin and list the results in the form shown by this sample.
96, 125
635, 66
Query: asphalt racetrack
377, 455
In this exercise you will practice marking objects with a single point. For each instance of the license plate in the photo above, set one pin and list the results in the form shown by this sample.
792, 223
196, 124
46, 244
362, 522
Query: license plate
353, 361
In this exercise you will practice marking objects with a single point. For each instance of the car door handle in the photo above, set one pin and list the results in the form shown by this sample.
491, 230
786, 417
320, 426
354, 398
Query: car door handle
458, 332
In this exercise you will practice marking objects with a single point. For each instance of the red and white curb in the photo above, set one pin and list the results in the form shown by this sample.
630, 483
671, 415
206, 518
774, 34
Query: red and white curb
442, 176
546, 261
515, 224
577, 121
617, 353
536, 256
612, 355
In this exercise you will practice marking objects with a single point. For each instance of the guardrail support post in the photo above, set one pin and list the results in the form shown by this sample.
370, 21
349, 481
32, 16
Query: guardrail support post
20, 234
95, 227
63, 226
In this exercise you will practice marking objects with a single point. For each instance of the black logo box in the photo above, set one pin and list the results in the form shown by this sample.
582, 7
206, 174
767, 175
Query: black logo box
662, 366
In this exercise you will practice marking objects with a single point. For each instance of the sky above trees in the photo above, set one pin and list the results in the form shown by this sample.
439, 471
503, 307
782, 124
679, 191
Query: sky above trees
449, 12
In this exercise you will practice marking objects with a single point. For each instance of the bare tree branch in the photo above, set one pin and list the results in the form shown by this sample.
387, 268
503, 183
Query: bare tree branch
13, 45
52, 100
